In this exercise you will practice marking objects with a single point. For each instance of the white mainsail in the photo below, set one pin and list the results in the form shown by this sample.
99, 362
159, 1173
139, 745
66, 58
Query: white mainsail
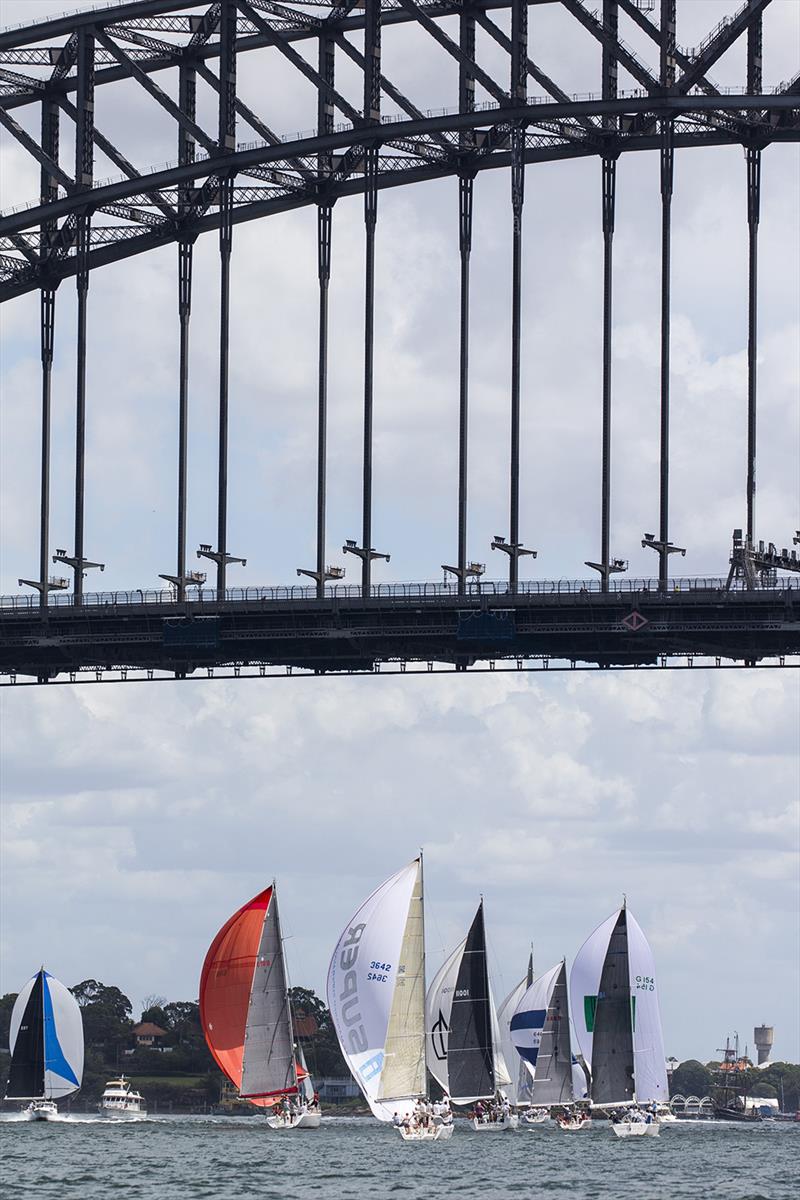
268, 1065
376, 994
644, 1022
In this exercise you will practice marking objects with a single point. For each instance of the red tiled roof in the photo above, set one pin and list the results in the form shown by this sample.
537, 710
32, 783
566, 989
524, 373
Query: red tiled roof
148, 1029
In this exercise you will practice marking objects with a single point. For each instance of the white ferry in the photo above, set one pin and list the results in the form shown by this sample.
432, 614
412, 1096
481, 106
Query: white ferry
120, 1101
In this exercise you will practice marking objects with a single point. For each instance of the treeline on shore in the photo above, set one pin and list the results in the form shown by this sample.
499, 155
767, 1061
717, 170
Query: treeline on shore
181, 1074
779, 1081
177, 1071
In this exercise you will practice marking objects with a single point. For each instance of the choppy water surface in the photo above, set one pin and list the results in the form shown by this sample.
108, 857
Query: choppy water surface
172, 1158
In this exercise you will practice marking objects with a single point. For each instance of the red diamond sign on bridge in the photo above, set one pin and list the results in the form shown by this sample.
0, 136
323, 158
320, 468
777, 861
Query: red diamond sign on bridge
634, 621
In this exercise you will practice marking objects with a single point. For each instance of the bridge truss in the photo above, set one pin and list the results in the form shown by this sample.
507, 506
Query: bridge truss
184, 55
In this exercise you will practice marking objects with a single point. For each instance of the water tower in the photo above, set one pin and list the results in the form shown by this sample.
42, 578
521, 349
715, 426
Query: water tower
763, 1036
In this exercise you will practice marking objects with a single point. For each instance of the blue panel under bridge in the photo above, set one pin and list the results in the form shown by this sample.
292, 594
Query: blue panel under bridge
194, 632
497, 626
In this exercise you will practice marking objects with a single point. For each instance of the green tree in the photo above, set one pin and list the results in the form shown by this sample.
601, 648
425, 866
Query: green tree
157, 1016
691, 1078
106, 1013
322, 1050
6, 1005
183, 1021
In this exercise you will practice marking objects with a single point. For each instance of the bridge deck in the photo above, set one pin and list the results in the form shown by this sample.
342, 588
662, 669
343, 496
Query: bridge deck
633, 624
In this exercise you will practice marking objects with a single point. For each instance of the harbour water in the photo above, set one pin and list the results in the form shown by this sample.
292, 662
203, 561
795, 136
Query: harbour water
189, 1158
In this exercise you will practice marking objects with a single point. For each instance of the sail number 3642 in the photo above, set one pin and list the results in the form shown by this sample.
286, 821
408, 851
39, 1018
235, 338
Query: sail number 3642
378, 972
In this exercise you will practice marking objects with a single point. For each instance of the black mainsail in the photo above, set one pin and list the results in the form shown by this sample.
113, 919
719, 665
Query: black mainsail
612, 1052
26, 1077
470, 1058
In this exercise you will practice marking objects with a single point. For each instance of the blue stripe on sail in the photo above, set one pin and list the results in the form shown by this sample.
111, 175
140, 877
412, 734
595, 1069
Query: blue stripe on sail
54, 1059
533, 1019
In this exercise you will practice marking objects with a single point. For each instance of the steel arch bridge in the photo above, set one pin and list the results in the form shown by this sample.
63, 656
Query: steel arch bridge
184, 55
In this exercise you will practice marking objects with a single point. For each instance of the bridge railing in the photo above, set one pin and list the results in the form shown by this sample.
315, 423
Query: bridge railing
200, 597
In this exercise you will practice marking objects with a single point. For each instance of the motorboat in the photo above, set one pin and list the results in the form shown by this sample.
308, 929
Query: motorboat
120, 1102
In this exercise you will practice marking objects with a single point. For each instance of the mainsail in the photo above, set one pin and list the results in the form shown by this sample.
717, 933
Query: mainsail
46, 1041
244, 1005
376, 994
540, 1032
463, 1048
615, 1010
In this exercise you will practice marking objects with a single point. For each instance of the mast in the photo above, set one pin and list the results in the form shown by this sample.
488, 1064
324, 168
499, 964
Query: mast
287, 1002
426, 1093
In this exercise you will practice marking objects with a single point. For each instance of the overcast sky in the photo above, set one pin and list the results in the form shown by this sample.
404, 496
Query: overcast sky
136, 819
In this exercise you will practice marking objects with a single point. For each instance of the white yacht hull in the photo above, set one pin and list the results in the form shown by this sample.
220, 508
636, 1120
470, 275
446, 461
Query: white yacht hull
430, 1133
507, 1123
576, 1126
41, 1110
122, 1114
536, 1118
304, 1120
624, 1129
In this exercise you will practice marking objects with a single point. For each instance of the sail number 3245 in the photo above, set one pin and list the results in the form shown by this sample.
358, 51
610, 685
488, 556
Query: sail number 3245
378, 972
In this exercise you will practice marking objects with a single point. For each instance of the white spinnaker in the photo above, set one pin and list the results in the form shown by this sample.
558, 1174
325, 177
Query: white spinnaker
362, 976
438, 1006
649, 1067
502, 1075
17, 1012
584, 982
530, 1013
64, 1052
268, 1066
520, 1088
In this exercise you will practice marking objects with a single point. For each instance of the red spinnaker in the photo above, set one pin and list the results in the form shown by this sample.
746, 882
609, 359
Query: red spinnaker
225, 984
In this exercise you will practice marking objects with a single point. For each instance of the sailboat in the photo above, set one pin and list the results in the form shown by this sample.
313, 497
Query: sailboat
247, 1018
46, 1041
376, 995
540, 1032
614, 1001
463, 1050
520, 1090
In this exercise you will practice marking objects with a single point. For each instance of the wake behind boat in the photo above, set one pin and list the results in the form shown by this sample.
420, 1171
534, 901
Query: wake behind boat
46, 1042
246, 1015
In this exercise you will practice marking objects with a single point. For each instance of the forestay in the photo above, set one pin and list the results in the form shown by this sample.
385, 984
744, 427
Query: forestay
376, 994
